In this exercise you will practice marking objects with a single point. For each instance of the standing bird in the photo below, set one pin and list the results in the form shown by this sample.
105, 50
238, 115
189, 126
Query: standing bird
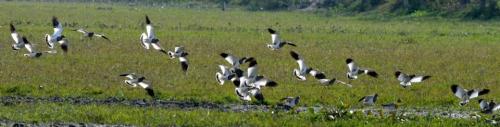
90, 35
149, 38
290, 102
406, 80
56, 37
488, 107
18, 42
276, 42
303, 70
182, 54
134, 81
465, 95
353, 70
369, 100
32, 52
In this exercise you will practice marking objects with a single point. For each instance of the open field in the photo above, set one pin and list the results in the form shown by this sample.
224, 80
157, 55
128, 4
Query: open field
452, 51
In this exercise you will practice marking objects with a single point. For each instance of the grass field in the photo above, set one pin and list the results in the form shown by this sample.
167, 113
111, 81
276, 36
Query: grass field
452, 51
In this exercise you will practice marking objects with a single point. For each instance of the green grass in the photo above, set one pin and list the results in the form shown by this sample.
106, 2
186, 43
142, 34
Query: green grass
452, 51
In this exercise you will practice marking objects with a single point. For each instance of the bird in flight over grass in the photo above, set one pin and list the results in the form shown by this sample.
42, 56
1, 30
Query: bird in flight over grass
234, 61
182, 55
405, 80
251, 84
353, 70
276, 42
134, 80
149, 38
56, 37
465, 95
32, 53
488, 107
369, 100
304, 70
224, 75
90, 35
18, 42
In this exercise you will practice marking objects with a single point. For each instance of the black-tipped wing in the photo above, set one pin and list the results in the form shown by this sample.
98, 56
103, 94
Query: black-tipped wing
150, 92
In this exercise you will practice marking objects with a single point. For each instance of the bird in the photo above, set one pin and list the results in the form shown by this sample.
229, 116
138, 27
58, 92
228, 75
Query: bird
255, 80
56, 37
134, 80
32, 52
488, 107
149, 39
465, 95
406, 80
392, 106
90, 35
290, 102
224, 75
276, 42
233, 60
303, 70
353, 70
18, 41
182, 54
369, 100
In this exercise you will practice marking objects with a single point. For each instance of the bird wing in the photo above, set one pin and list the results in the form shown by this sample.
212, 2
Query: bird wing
457, 91
102, 36
14, 34
477, 92
230, 58
483, 104
275, 39
252, 69
143, 84
81, 30
262, 81
58, 29
184, 63
28, 45
496, 107
300, 61
150, 32
403, 77
417, 79
129, 76
156, 46
352, 67
64, 45
179, 50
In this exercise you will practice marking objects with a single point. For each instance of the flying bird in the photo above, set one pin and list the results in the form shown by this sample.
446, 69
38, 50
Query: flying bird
233, 60
353, 70
488, 107
369, 100
149, 38
303, 70
182, 54
56, 37
18, 42
90, 35
465, 95
224, 75
276, 42
134, 81
255, 80
406, 80
32, 52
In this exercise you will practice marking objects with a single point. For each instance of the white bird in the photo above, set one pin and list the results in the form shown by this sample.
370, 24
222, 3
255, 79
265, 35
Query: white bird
32, 52
134, 81
224, 75
369, 100
18, 42
405, 80
465, 95
290, 102
56, 37
182, 54
255, 80
233, 60
303, 70
488, 107
353, 70
276, 42
90, 35
149, 38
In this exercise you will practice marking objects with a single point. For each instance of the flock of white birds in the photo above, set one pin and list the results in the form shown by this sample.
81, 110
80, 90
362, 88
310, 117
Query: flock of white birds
246, 85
